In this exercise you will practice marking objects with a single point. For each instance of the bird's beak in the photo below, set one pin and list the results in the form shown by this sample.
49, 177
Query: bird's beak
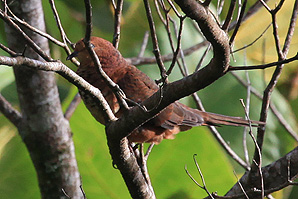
72, 55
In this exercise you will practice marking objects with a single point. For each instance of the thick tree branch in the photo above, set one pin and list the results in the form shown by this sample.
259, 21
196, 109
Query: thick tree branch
277, 175
44, 130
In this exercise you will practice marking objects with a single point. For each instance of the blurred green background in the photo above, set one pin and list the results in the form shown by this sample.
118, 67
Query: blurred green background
167, 160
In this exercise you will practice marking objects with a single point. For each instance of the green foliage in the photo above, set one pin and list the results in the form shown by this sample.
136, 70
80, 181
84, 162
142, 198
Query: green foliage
18, 177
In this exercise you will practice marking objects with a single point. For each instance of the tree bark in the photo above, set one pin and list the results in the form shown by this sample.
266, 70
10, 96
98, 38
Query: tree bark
44, 130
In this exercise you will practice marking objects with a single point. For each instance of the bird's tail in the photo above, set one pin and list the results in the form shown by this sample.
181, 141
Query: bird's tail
218, 120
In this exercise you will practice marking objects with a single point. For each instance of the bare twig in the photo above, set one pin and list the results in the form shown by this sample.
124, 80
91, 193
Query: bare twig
206, 3
250, 44
240, 185
291, 29
174, 8
149, 150
229, 17
264, 66
143, 166
258, 162
64, 71
10, 113
117, 23
156, 50
201, 175
232, 38
88, 32
265, 5
29, 41
72, 106
64, 192
178, 49
144, 45
49, 37
83, 192
62, 32
150, 60
9, 51
115, 88
273, 108
246, 129
251, 11
203, 57
271, 85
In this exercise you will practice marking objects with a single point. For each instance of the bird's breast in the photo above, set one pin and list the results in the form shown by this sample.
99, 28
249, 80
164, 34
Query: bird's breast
92, 77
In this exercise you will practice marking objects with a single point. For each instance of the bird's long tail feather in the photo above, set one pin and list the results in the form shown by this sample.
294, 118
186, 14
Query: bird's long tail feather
218, 120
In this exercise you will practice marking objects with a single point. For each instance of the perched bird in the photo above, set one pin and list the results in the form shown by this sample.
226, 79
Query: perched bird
137, 86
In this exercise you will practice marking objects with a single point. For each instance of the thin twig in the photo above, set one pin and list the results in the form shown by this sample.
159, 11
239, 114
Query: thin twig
264, 66
72, 106
64, 192
206, 3
291, 29
251, 11
83, 192
156, 50
120, 95
10, 113
62, 32
113, 4
178, 33
174, 8
151, 60
269, 89
232, 38
240, 185
250, 44
203, 57
229, 17
272, 107
265, 5
65, 72
258, 162
144, 45
33, 29
246, 129
178, 49
201, 175
149, 150
117, 23
9, 51
28, 40
88, 32
144, 169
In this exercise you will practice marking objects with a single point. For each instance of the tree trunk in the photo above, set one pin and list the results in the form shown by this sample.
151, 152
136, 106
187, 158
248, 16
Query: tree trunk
44, 130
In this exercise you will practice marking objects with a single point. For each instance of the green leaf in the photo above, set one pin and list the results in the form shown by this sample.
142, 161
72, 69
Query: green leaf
18, 177
6, 76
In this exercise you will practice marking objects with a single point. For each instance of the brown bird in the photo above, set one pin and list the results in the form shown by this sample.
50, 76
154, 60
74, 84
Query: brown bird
137, 86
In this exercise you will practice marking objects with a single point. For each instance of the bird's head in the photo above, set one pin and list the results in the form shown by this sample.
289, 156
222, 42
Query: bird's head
107, 54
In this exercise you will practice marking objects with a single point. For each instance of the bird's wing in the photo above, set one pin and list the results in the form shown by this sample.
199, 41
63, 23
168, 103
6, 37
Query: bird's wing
181, 115
136, 85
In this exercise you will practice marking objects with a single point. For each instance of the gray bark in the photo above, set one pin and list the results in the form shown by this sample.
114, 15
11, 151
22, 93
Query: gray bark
44, 130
